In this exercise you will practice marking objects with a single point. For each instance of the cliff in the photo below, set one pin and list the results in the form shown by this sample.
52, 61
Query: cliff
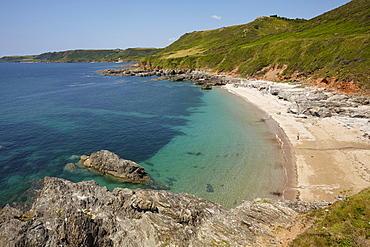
84, 214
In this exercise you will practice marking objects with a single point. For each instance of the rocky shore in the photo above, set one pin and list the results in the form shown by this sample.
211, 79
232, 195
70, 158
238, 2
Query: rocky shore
200, 77
305, 101
328, 131
329, 136
85, 214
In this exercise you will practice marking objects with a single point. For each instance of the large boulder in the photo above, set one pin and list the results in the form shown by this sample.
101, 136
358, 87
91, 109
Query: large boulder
206, 87
110, 163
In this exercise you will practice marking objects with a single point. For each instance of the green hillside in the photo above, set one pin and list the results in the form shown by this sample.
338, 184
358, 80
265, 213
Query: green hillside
345, 223
332, 45
86, 56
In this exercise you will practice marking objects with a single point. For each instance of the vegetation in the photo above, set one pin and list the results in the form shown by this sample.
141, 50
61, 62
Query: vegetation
345, 223
86, 56
332, 45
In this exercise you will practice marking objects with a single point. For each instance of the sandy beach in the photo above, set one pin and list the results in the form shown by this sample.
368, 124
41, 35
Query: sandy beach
329, 156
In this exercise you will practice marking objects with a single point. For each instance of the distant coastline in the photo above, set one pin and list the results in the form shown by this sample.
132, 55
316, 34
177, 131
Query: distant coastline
85, 56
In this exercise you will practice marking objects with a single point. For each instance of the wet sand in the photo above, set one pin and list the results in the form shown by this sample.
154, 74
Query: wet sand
329, 156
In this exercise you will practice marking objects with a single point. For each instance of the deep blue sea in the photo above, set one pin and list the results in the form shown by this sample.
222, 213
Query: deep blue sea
208, 143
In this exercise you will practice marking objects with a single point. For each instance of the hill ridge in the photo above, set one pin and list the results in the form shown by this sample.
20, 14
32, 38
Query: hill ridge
85, 56
330, 47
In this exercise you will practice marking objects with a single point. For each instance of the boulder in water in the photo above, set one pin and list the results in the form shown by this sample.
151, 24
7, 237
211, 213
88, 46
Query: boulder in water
110, 163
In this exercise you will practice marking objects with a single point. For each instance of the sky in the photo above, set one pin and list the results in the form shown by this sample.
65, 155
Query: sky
30, 27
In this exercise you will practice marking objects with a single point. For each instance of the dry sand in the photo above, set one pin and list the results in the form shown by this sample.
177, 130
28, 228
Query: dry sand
331, 156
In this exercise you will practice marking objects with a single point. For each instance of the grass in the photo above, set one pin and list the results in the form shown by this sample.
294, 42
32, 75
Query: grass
187, 52
334, 44
345, 223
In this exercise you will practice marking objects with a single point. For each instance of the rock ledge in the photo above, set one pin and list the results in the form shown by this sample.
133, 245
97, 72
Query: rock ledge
85, 214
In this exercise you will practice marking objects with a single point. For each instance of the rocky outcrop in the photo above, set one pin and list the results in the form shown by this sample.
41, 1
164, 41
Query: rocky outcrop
84, 214
200, 77
110, 163
206, 87
314, 102
143, 73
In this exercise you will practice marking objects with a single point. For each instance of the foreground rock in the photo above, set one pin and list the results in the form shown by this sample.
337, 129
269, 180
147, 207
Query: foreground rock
110, 163
84, 214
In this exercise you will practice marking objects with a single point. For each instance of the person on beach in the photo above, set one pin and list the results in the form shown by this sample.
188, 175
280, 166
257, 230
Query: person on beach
298, 136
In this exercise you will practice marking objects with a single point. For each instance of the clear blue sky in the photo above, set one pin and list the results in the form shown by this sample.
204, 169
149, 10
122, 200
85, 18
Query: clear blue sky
29, 27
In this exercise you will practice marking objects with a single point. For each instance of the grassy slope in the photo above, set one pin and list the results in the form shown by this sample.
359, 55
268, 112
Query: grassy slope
79, 56
335, 44
345, 223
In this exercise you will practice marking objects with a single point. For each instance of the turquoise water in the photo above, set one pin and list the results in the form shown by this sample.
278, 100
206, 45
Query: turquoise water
226, 148
208, 143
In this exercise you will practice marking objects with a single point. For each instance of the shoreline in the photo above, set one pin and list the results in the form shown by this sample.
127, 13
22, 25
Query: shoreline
327, 132
283, 143
329, 156
285, 146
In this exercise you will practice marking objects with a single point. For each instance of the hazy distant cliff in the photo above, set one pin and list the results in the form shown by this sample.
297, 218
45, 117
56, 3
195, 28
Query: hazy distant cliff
85, 56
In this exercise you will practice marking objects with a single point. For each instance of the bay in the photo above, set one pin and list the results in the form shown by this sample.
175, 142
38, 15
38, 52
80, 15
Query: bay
208, 143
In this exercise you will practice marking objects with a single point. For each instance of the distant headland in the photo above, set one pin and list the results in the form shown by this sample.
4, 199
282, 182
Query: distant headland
85, 56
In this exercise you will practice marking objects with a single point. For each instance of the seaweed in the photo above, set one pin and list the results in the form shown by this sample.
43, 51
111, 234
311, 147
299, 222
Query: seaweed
210, 188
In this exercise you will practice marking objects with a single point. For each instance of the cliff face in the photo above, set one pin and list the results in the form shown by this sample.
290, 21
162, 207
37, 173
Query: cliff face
84, 214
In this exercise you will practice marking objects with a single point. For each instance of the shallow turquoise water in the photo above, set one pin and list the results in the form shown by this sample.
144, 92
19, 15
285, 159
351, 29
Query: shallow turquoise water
208, 143
226, 153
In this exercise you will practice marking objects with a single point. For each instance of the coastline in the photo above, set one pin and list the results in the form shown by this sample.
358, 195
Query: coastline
329, 156
327, 132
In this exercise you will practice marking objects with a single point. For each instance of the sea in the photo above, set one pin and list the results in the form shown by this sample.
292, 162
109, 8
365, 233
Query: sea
212, 144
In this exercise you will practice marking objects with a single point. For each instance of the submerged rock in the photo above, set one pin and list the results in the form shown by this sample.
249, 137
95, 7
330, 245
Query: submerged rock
71, 167
84, 214
210, 188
